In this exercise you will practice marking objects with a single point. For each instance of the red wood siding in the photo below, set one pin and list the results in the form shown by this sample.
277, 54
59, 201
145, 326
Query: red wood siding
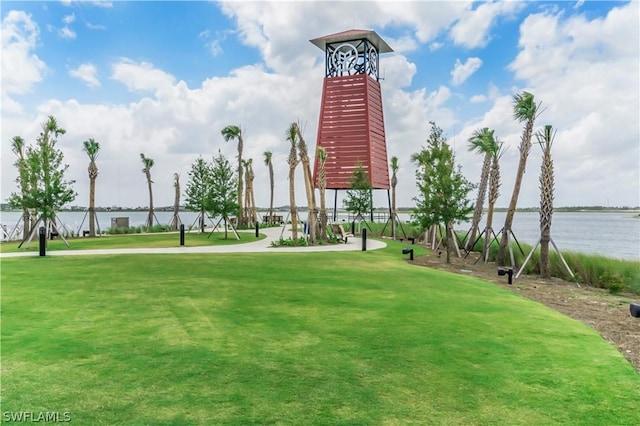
351, 130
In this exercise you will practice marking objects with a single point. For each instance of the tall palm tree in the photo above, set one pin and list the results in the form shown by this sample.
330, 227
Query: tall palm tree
322, 187
482, 142
308, 183
494, 193
175, 221
267, 161
525, 110
18, 148
247, 196
148, 164
292, 137
230, 133
249, 199
91, 147
545, 139
394, 183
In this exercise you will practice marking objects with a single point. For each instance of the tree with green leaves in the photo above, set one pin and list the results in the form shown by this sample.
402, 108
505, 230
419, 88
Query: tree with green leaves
394, 183
359, 200
23, 180
482, 142
231, 133
443, 190
545, 139
291, 135
322, 188
148, 164
308, 184
47, 190
91, 148
269, 163
222, 197
494, 193
198, 188
525, 110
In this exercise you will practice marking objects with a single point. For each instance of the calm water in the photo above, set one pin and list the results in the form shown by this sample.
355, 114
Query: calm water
614, 234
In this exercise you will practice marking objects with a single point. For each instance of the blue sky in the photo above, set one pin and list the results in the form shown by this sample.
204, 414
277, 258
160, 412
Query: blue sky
164, 77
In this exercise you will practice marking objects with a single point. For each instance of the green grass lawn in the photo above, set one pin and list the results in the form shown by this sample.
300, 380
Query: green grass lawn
151, 240
295, 338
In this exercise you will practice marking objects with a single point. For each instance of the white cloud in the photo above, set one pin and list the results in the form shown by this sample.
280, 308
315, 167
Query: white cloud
87, 73
215, 48
472, 29
69, 18
66, 32
476, 99
141, 77
461, 72
21, 68
95, 26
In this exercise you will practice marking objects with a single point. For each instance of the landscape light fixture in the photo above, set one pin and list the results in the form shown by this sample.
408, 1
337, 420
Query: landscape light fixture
508, 272
409, 252
635, 310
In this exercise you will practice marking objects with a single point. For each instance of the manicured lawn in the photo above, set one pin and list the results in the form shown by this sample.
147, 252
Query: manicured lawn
151, 240
295, 338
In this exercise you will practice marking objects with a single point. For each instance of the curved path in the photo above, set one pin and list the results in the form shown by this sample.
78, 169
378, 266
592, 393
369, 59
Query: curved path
264, 245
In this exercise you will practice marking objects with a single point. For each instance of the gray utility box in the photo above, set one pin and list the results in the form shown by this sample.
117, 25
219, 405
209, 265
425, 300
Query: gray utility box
119, 222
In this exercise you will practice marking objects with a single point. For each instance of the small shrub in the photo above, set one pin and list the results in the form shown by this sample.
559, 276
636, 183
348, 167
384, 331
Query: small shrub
611, 281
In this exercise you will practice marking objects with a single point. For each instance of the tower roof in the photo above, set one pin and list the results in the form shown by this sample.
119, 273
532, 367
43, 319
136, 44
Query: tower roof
349, 35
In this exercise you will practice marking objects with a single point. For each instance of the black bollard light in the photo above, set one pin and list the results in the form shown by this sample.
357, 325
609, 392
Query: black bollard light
257, 229
508, 272
364, 239
635, 310
412, 239
42, 234
353, 227
182, 234
409, 252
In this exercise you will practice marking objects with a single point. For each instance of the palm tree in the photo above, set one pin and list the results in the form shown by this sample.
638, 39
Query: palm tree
494, 193
230, 133
267, 161
176, 202
148, 164
545, 139
249, 199
308, 184
394, 183
18, 148
322, 187
482, 142
91, 147
525, 110
292, 138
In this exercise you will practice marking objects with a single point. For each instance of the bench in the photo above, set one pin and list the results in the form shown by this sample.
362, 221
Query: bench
339, 232
271, 219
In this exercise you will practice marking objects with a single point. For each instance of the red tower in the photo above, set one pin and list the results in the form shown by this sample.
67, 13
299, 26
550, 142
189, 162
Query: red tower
351, 124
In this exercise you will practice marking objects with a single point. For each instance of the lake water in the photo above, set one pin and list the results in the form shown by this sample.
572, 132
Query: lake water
612, 234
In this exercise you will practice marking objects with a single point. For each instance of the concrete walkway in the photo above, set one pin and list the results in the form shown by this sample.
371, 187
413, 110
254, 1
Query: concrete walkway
273, 234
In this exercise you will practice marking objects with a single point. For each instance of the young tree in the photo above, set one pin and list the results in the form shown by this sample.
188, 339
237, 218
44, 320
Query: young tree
545, 139
198, 188
148, 164
47, 190
91, 147
443, 190
494, 193
267, 161
525, 110
222, 198
322, 187
230, 133
394, 183
308, 184
176, 202
359, 198
23, 180
292, 137
482, 142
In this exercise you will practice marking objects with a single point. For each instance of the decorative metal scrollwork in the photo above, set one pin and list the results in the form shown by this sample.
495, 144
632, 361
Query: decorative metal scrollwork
350, 58
372, 61
344, 60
